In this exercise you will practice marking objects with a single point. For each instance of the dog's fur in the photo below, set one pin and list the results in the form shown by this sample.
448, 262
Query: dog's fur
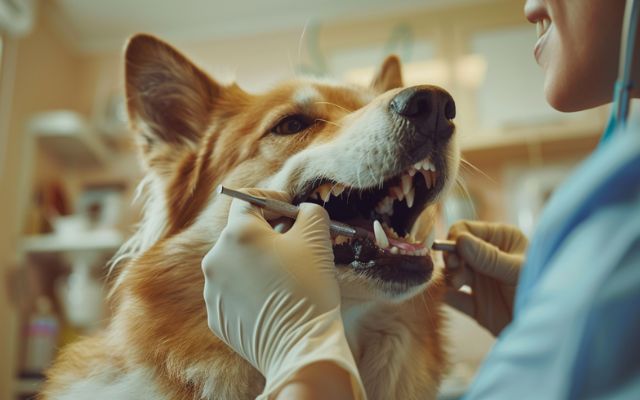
194, 134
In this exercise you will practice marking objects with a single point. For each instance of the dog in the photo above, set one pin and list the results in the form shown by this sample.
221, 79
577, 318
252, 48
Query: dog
380, 157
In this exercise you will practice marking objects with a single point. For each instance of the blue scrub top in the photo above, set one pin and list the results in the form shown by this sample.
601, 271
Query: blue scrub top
576, 327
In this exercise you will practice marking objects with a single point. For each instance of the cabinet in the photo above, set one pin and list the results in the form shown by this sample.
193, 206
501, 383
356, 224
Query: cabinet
68, 260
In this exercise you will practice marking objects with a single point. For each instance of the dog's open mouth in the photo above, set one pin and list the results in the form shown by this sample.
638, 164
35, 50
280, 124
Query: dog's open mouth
388, 212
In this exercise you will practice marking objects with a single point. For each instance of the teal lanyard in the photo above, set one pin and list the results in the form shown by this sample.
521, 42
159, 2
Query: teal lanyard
624, 84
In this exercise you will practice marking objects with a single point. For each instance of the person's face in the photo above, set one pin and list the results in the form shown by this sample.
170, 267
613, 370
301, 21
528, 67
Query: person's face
578, 49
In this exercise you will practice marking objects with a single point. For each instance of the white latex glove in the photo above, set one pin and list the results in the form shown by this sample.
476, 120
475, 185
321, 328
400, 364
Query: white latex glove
488, 259
274, 297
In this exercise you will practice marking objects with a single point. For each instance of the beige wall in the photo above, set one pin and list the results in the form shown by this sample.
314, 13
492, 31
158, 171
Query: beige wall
46, 78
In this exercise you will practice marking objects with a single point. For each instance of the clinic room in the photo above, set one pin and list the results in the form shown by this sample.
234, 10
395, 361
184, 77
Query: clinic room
329, 199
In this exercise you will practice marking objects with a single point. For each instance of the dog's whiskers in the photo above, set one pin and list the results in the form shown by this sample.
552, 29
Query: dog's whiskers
329, 122
304, 31
466, 163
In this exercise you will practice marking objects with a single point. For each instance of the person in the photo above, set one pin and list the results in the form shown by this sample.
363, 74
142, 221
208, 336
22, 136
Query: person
564, 308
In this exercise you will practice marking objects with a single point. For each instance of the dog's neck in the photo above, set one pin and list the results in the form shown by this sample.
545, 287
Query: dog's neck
353, 312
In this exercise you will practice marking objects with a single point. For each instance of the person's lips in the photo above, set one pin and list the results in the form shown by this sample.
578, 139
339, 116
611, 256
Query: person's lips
543, 27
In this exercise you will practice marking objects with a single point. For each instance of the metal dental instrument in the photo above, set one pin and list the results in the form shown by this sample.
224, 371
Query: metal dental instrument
291, 211
444, 245
336, 228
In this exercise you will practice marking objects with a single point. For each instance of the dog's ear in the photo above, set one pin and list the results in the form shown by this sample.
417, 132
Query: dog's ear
169, 100
389, 76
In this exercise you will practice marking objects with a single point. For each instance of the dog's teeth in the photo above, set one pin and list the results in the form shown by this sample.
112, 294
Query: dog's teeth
389, 206
313, 195
412, 171
325, 193
429, 178
397, 193
394, 250
410, 197
407, 183
381, 237
337, 190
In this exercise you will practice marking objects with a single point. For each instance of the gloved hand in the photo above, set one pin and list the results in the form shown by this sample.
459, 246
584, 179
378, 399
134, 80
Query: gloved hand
274, 297
488, 259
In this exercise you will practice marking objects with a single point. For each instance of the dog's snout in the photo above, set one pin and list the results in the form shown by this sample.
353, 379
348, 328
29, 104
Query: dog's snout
426, 106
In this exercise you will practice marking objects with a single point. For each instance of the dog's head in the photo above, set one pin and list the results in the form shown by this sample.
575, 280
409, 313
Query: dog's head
381, 153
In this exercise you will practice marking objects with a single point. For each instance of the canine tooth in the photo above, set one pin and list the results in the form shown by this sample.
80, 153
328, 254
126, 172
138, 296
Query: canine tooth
337, 190
410, 197
313, 195
412, 171
325, 193
427, 178
381, 237
407, 183
394, 250
397, 192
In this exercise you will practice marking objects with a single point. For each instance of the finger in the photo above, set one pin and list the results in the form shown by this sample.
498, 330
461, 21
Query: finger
461, 277
311, 219
244, 218
481, 229
506, 237
487, 259
461, 301
269, 194
452, 261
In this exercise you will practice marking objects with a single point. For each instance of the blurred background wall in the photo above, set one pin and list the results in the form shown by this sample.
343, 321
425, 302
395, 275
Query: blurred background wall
68, 164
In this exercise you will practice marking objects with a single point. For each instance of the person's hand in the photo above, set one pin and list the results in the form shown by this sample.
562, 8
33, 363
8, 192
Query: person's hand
488, 259
274, 297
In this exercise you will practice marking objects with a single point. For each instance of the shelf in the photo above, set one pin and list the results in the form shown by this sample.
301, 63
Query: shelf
69, 138
531, 144
96, 241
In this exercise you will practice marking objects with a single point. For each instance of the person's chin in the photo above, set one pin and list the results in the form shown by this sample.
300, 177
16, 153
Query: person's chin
565, 97
560, 95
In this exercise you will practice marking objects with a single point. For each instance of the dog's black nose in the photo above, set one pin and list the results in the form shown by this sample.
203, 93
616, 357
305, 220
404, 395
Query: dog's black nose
426, 106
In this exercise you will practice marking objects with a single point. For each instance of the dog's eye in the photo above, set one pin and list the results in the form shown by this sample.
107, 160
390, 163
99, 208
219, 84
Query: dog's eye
292, 124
